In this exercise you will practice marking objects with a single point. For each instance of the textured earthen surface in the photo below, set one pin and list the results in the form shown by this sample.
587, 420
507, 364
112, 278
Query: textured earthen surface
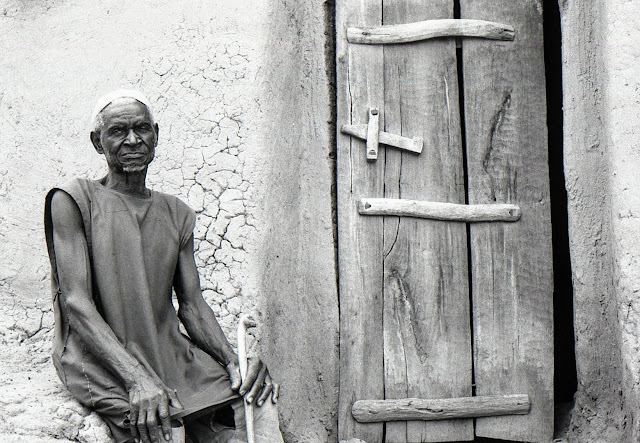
297, 258
600, 108
242, 99
622, 104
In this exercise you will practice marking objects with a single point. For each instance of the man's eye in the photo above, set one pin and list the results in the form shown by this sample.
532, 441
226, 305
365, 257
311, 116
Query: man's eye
143, 128
117, 131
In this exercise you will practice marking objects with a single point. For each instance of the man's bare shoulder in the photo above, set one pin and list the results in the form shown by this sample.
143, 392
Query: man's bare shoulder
64, 210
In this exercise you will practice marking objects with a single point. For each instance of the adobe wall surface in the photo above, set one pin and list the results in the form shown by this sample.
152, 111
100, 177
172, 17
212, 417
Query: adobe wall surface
242, 99
622, 70
601, 108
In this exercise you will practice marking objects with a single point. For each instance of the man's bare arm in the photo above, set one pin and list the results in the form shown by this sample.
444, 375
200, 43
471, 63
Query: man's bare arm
149, 398
203, 328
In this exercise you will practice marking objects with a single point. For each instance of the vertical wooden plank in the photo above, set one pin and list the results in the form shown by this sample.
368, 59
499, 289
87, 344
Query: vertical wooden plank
359, 87
427, 339
505, 109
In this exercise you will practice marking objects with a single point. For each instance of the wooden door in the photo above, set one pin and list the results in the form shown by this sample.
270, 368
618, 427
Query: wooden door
433, 309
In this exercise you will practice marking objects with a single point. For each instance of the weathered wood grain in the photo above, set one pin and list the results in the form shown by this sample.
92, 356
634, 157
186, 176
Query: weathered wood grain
370, 411
426, 301
409, 144
428, 29
292, 260
359, 87
439, 211
512, 282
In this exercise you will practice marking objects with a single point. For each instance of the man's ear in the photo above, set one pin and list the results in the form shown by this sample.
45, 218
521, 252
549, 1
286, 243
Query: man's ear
95, 139
157, 128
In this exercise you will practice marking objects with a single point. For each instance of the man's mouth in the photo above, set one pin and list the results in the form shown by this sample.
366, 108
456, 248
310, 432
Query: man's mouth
133, 156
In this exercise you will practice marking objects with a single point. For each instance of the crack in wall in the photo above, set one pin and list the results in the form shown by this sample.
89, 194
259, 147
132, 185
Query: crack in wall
201, 82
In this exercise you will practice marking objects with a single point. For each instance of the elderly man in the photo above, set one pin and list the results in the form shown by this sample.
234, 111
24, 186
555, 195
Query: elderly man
117, 251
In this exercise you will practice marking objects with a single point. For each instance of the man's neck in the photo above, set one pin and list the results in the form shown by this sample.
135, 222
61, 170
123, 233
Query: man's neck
133, 183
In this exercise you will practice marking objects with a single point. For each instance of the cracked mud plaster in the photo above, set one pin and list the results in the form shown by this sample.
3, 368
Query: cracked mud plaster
199, 85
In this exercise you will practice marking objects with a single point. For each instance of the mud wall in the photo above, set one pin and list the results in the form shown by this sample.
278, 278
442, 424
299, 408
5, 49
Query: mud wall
242, 98
601, 71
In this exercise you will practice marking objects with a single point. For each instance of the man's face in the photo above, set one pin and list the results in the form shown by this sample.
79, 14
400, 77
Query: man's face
128, 137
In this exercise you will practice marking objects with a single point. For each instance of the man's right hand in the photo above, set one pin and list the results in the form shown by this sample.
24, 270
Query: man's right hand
149, 401
257, 385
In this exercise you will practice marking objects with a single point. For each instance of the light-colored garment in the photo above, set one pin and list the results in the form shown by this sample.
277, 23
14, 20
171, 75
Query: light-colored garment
133, 247
265, 422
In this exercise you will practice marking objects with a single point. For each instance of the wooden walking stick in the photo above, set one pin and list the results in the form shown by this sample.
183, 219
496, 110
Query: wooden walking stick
246, 322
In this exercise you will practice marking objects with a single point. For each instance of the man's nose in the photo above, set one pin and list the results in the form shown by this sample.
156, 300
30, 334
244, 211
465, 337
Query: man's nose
132, 138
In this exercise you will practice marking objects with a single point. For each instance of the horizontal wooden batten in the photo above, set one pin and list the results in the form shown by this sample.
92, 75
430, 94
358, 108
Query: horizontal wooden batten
428, 29
373, 411
397, 141
439, 211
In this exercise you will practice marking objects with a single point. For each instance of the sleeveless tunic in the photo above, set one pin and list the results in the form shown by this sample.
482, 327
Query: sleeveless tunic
133, 248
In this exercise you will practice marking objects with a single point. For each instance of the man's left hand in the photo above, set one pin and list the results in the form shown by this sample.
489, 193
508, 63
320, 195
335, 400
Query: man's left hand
257, 385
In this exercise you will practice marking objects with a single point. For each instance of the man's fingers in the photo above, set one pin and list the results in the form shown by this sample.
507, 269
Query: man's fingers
133, 423
234, 375
266, 390
253, 369
258, 383
153, 427
275, 393
165, 420
173, 399
142, 426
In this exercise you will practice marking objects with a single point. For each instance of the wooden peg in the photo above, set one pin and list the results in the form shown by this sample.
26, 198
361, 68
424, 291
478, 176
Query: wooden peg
411, 32
408, 144
246, 321
371, 411
373, 133
439, 211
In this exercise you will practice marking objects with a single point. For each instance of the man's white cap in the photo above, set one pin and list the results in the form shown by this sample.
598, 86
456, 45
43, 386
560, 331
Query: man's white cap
109, 98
